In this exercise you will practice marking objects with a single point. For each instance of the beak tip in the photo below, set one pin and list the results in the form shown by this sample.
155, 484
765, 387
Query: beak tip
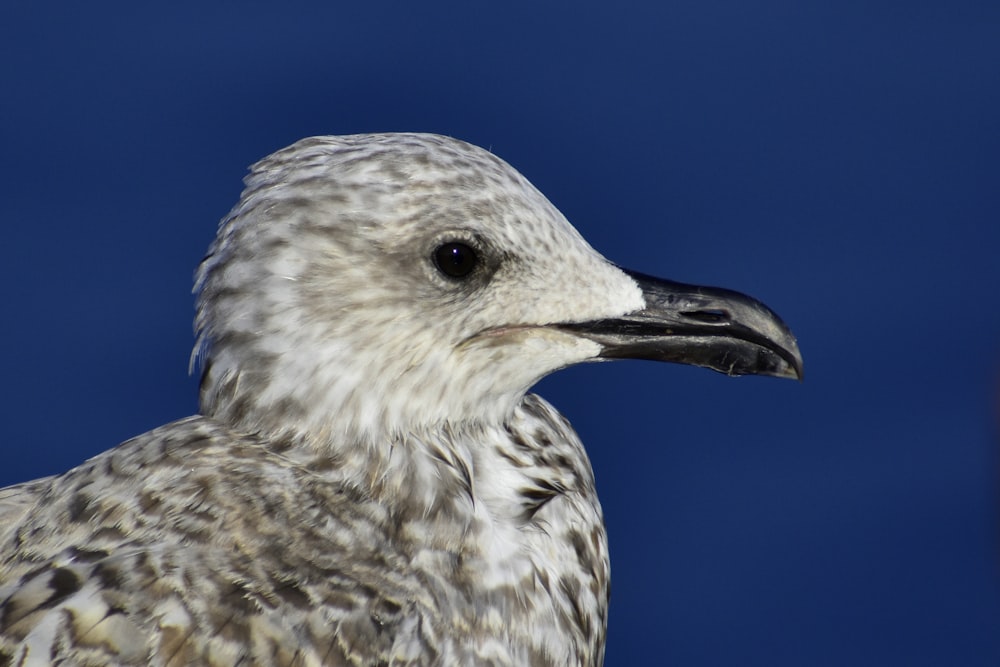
793, 366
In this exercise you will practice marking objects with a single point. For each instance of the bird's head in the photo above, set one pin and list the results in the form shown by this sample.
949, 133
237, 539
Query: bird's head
368, 285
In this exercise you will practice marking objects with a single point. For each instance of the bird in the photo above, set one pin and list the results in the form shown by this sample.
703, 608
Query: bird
368, 480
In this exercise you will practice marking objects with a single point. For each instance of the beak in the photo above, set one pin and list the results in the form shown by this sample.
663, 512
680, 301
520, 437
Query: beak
716, 328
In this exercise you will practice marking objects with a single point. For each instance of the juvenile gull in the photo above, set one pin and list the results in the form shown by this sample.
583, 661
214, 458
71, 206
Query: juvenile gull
367, 481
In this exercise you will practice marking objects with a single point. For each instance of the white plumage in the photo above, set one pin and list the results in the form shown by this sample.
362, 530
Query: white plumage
367, 482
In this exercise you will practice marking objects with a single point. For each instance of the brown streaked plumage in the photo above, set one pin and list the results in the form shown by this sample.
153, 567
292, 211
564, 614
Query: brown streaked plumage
367, 482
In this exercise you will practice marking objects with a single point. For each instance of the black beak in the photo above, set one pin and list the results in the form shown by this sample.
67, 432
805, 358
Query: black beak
704, 326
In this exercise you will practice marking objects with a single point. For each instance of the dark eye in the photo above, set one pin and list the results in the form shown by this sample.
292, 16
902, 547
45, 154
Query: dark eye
455, 259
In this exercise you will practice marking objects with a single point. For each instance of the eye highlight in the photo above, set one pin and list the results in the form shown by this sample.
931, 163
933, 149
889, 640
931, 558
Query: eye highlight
455, 260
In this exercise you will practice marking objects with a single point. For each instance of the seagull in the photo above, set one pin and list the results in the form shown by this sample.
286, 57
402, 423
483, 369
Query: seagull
368, 481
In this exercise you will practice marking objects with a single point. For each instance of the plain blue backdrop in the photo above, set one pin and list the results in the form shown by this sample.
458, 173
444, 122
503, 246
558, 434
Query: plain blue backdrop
839, 160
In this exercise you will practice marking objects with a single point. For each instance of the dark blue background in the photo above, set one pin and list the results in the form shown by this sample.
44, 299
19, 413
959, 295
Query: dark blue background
839, 160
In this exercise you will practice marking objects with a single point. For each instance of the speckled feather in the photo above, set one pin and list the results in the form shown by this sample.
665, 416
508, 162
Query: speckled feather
368, 482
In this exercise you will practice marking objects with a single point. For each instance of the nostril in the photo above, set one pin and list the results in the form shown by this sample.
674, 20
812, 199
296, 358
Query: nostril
708, 316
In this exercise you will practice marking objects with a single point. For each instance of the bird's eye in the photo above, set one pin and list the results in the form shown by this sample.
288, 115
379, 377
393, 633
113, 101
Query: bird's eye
456, 260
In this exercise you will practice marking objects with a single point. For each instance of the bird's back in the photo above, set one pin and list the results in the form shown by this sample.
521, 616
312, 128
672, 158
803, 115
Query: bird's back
193, 544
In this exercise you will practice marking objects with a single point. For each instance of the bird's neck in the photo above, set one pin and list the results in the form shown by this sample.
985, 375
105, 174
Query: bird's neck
510, 509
